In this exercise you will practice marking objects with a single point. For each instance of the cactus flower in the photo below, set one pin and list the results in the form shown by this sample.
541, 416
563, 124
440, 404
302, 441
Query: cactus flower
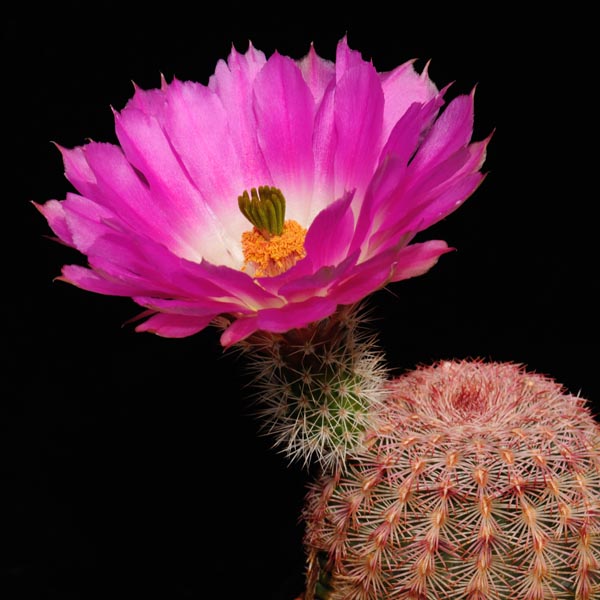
276, 193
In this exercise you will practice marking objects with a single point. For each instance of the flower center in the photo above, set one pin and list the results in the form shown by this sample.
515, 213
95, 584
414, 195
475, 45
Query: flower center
274, 245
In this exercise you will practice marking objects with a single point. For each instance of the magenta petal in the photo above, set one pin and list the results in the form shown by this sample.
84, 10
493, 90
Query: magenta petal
235, 76
329, 236
444, 187
392, 265
318, 283
452, 131
239, 285
197, 125
378, 204
78, 171
233, 82
148, 267
317, 72
87, 221
402, 87
400, 200
120, 189
436, 208
150, 102
358, 119
417, 259
199, 307
406, 135
148, 149
324, 150
92, 281
365, 278
346, 59
174, 326
54, 212
295, 314
238, 330
154, 271
450, 199
285, 110
444, 173
301, 269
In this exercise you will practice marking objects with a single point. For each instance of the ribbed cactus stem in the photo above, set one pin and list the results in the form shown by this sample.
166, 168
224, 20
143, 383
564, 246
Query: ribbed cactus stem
479, 482
316, 387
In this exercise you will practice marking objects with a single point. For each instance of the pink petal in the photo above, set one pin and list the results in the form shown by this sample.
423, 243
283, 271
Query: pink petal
406, 135
148, 267
358, 119
273, 285
452, 131
174, 326
150, 102
397, 262
93, 281
365, 278
146, 147
324, 150
54, 212
385, 199
448, 201
239, 69
417, 259
154, 271
233, 83
432, 210
196, 124
78, 171
329, 236
295, 315
239, 330
464, 161
317, 72
346, 59
401, 200
119, 188
199, 307
318, 283
378, 207
239, 285
285, 110
444, 187
87, 221
402, 87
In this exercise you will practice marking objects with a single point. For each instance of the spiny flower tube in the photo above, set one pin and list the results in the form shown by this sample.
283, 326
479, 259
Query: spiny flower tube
318, 389
278, 192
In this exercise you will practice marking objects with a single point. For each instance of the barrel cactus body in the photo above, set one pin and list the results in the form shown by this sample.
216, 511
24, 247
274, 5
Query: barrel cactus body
481, 481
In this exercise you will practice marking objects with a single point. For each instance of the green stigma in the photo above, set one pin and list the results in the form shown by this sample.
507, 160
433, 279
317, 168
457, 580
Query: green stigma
265, 209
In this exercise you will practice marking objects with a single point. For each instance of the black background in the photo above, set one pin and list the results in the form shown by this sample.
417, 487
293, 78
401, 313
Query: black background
129, 462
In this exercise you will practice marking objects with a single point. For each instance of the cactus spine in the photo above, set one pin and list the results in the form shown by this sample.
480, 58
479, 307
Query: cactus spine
478, 482
317, 387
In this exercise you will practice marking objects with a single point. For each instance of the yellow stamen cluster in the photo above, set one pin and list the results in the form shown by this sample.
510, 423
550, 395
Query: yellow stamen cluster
277, 254
274, 245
